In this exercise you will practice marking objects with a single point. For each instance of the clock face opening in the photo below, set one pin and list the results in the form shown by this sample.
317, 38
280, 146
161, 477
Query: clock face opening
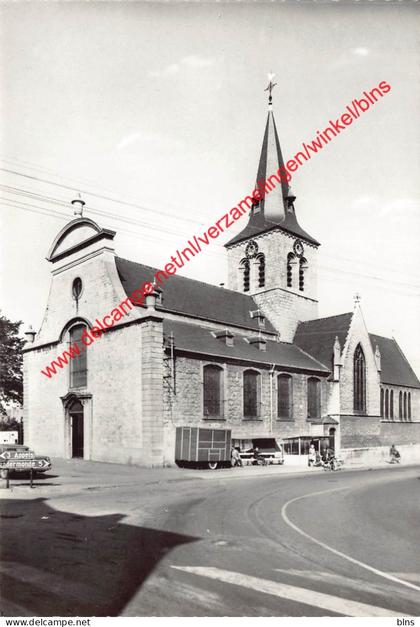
251, 249
298, 247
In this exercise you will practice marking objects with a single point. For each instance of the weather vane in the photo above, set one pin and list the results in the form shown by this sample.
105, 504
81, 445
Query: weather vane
270, 87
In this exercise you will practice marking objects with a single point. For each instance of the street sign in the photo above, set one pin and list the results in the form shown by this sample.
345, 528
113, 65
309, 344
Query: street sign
6, 455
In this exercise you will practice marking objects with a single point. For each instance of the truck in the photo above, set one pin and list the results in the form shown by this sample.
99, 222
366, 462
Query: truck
269, 449
202, 448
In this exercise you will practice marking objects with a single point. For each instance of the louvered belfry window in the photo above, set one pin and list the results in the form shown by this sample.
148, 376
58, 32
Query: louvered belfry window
251, 394
359, 381
78, 365
246, 271
261, 270
213, 391
284, 397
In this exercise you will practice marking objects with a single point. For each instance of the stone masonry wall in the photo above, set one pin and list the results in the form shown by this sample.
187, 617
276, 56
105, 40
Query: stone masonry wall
113, 417
185, 408
284, 306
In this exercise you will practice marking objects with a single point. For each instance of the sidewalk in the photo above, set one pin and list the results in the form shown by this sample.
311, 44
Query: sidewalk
69, 476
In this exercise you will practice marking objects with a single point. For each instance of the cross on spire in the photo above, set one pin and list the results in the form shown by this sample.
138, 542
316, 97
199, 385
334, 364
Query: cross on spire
270, 87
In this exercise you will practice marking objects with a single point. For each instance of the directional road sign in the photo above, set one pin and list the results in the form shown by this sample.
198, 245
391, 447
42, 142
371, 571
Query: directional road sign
7, 455
25, 464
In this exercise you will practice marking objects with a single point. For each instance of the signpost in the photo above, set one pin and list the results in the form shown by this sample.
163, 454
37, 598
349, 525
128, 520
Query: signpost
20, 460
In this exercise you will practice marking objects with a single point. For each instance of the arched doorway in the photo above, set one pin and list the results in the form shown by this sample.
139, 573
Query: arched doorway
77, 429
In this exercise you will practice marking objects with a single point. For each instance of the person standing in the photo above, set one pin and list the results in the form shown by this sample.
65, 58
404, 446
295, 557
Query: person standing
312, 455
236, 459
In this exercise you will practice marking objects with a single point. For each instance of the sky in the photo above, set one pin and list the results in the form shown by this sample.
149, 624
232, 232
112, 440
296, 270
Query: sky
155, 114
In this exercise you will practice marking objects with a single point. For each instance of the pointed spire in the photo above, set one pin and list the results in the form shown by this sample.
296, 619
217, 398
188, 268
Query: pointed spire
274, 202
276, 205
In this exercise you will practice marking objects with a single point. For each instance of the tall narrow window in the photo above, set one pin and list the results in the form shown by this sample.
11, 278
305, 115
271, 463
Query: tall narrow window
213, 391
314, 398
359, 381
387, 404
409, 405
382, 403
261, 270
405, 405
303, 264
400, 406
251, 392
78, 365
290, 264
284, 397
245, 269
391, 404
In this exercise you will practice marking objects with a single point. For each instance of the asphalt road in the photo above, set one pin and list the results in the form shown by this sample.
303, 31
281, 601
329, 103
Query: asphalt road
113, 542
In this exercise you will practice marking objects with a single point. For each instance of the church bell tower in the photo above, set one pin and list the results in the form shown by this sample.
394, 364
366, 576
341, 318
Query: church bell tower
273, 259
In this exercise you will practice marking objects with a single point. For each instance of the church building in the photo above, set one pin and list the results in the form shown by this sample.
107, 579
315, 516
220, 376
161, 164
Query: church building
253, 357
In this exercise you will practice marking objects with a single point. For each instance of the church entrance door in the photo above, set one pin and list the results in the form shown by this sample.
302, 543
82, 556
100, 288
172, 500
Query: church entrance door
77, 429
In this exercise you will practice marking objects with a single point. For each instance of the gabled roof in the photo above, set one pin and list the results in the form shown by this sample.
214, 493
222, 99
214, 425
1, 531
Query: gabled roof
194, 298
191, 338
317, 337
258, 223
395, 368
276, 209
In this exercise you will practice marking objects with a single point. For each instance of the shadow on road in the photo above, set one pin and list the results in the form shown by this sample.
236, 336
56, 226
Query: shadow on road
60, 564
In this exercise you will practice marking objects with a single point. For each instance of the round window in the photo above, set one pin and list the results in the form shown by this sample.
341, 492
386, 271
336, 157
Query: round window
77, 288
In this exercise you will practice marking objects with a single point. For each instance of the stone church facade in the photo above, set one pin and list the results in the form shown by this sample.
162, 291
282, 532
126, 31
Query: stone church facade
253, 357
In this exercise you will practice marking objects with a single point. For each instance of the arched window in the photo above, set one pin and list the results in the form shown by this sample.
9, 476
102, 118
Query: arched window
261, 270
76, 288
409, 405
303, 264
314, 398
400, 406
284, 397
251, 394
290, 264
213, 391
382, 403
78, 361
359, 381
391, 404
386, 403
245, 268
405, 405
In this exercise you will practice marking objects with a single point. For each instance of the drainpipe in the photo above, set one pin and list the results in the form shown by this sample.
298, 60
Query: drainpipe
271, 397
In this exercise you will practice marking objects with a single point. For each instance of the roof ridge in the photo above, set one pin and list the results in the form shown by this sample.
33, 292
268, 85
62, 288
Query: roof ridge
187, 278
349, 313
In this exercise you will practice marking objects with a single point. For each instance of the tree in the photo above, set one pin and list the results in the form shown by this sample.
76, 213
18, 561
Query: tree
11, 378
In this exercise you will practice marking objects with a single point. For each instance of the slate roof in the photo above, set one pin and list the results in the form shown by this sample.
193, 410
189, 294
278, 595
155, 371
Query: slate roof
281, 215
194, 298
258, 223
192, 338
317, 337
395, 368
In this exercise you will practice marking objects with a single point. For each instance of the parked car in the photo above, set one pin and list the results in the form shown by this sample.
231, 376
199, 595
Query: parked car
46, 465
268, 448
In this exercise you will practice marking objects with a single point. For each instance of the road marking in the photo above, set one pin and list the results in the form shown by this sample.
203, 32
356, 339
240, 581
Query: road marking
338, 605
380, 573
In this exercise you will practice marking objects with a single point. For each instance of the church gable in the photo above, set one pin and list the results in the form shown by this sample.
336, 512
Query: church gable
359, 377
76, 235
